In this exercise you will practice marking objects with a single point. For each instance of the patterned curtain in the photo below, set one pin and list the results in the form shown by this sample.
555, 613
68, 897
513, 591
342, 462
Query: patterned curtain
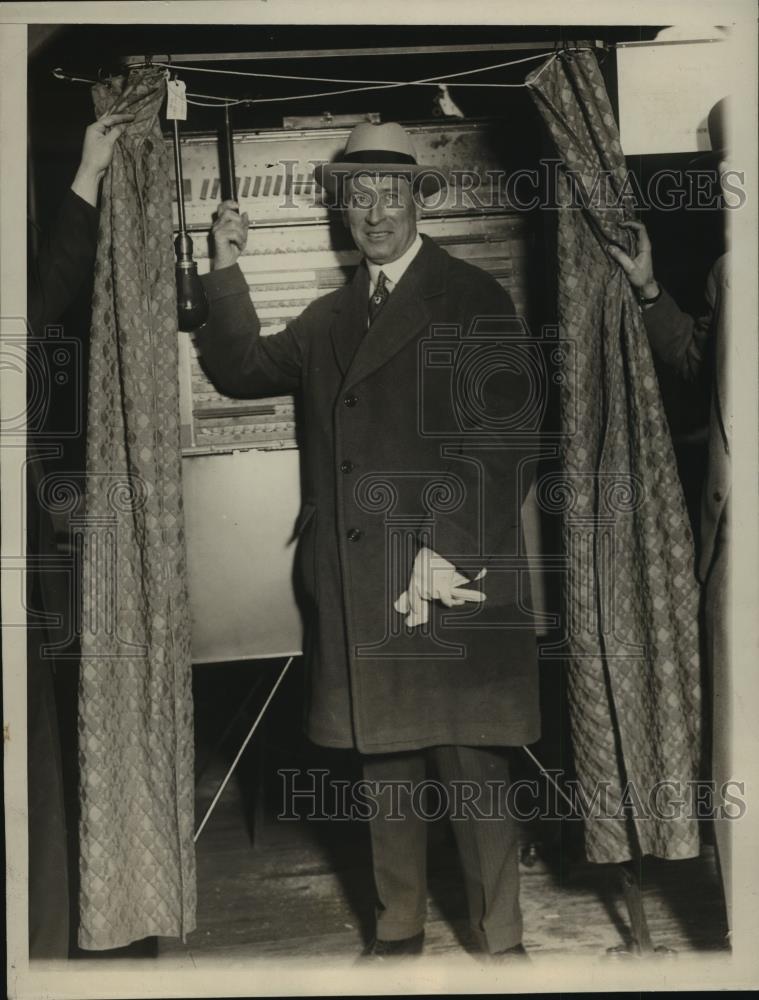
630, 594
135, 699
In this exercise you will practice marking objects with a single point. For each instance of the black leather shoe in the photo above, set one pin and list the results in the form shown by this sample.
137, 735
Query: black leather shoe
404, 948
517, 953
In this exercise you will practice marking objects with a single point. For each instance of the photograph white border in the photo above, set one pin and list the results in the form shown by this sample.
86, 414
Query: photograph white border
147, 978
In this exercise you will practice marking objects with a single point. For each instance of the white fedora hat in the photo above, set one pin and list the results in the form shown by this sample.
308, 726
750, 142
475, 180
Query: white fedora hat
378, 149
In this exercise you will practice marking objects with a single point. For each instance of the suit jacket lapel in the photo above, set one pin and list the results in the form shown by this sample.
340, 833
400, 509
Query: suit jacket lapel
349, 320
402, 316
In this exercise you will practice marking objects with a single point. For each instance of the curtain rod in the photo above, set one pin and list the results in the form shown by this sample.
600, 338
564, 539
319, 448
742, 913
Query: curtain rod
398, 50
668, 41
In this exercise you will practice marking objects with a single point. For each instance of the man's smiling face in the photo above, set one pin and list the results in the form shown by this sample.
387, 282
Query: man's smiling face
381, 214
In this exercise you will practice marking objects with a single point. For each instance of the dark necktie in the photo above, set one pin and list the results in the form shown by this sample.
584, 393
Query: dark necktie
380, 297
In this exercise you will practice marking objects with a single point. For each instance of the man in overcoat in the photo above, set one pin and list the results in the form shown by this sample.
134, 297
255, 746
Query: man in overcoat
418, 447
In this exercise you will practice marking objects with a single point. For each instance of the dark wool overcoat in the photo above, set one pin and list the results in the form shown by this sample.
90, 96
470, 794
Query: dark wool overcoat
419, 430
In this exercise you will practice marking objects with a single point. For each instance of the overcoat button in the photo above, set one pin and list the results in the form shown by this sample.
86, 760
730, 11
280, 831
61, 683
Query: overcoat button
718, 496
354, 534
350, 400
346, 466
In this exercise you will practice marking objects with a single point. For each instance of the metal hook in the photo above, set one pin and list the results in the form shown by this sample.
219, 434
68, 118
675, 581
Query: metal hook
566, 51
103, 78
60, 75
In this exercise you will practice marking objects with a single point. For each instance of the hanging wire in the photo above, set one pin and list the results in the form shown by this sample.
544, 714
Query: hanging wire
224, 102
434, 81
369, 85
428, 81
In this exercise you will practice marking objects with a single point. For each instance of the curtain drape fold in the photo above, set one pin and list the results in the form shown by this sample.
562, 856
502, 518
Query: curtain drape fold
137, 862
630, 596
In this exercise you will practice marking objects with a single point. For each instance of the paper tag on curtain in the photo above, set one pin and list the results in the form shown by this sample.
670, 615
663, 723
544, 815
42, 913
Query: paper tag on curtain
176, 101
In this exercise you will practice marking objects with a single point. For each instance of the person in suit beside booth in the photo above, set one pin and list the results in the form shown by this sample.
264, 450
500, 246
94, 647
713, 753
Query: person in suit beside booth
417, 455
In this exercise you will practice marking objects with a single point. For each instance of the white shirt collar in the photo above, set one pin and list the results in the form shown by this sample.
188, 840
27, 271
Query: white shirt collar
394, 271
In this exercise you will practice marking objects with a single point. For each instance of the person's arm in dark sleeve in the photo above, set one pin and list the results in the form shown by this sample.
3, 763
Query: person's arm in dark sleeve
238, 359
676, 337
64, 260
67, 250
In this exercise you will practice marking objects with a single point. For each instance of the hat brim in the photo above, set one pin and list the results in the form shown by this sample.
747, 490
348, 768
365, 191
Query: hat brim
428, 180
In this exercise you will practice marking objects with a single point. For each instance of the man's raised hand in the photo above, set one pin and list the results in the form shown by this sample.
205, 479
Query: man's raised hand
230, 234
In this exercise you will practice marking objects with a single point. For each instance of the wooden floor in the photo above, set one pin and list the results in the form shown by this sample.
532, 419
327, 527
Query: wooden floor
304, 890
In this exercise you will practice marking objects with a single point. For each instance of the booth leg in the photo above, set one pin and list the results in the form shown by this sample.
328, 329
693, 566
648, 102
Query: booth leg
641, 945
641, 935
258, 817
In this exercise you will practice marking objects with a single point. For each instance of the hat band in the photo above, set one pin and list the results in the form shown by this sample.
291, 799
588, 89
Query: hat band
378, 156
